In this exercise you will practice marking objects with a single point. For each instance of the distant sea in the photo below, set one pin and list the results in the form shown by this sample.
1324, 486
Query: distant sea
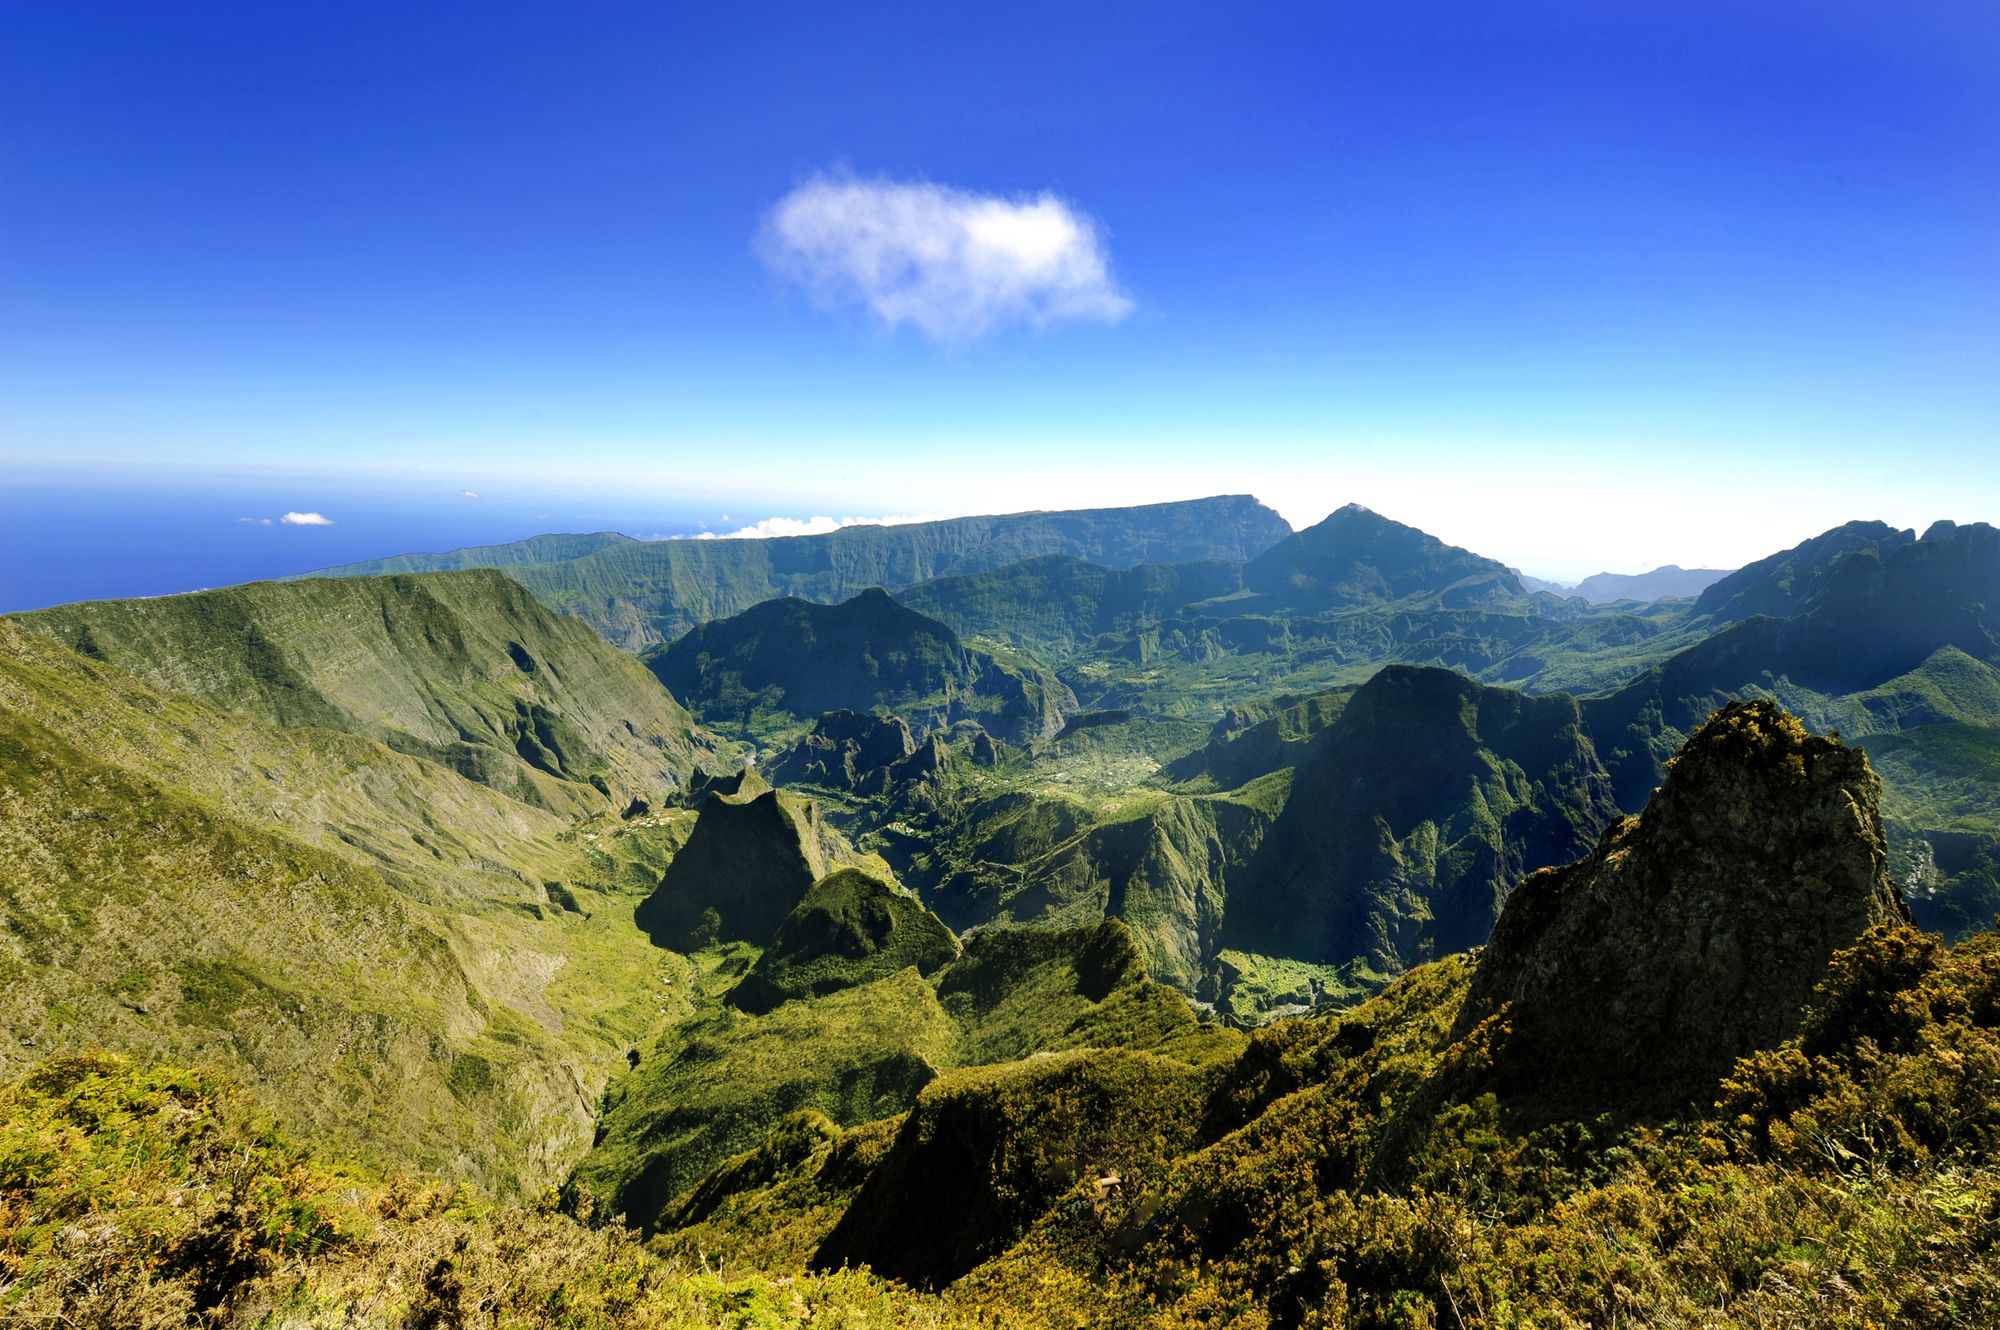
65, 539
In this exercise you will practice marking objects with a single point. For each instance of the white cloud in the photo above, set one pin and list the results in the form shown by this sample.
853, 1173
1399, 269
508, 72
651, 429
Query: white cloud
954, 264
470, 494
305, 519
803, 526
254, 521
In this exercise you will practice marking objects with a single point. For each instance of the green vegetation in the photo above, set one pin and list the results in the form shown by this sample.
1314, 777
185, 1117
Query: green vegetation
436, 871
713, 1085
850, 929
767, 672
638, 593
353, 929
156, 1196
464, 669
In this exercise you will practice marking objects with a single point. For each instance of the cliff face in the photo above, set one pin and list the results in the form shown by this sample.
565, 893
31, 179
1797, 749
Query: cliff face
643, 592
1696, 931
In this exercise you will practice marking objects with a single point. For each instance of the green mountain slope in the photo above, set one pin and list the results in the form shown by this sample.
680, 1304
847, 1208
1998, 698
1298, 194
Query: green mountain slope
750, 858
1446, 1150
464, 669
785, 662
1059, 604
1780, 584
638, 593
1412, 816
849, 929
1163, 864
400, 959
715, 1084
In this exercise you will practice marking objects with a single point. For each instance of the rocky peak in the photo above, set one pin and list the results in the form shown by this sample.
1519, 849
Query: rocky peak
1696, 931
848, 750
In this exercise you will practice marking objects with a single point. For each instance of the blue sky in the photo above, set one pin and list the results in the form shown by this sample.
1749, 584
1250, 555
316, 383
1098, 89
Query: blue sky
1577, 285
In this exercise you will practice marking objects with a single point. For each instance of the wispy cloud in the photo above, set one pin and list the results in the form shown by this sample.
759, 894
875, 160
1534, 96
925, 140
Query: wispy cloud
306, 519
254, 521
469, 494
953, 264
803, 526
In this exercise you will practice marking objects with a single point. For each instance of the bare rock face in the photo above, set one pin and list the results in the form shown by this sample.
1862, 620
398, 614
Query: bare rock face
1695, 932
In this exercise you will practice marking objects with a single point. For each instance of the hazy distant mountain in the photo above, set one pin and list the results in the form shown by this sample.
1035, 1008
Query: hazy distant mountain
641, 592
1543, 584
1357, 556
1669, 582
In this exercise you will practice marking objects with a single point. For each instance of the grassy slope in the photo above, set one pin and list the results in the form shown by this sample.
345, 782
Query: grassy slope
463, 668
1848, 1178
158, 1196
715, 1083
332, 897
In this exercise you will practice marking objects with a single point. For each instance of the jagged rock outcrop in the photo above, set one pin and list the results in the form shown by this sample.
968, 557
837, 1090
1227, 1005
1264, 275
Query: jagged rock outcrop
862, 754
739, 784
1696, 931
850, 929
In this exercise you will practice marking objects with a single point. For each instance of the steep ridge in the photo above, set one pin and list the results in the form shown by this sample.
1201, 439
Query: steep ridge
1867, 606
433, 834
1695, 932
465, 669
1257, 739
1781, 584
860, 754
1414, 813
638, 593
712, 1086
1164, 869
795, 660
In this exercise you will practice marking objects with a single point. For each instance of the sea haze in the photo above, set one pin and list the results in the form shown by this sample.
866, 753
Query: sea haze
63, 540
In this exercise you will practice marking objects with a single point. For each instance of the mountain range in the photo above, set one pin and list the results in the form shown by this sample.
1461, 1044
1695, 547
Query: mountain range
1147, 907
